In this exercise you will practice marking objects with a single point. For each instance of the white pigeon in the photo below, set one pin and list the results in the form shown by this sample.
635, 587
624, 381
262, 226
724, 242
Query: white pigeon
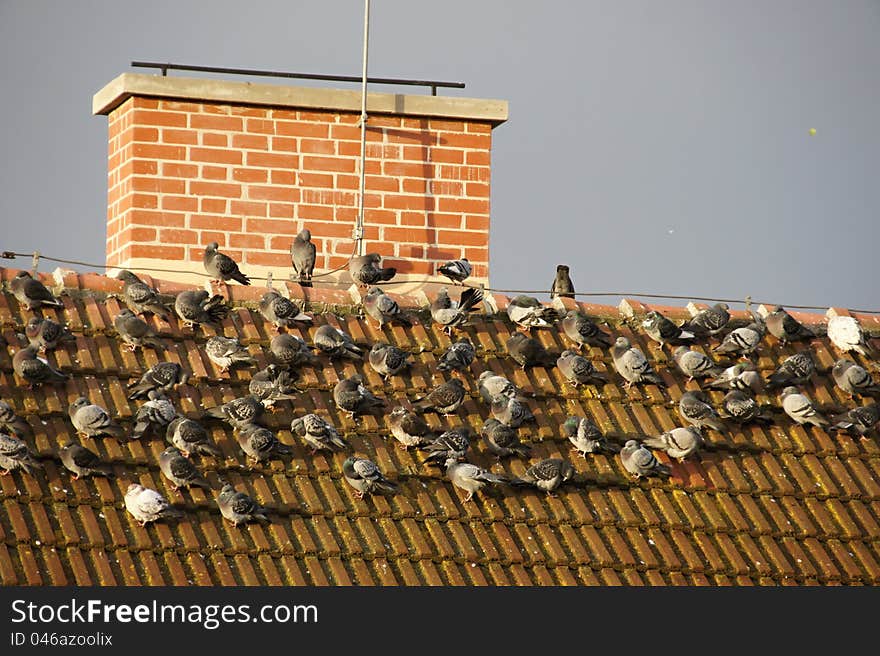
847, 335
147, 505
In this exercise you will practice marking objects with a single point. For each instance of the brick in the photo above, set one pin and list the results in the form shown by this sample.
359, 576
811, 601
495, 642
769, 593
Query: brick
158, 151
250, 175
179, 203
225, 223
182, 137
340, 164
227, 190
179, 170
303, 129
213, 122
265, 192
250, 141
213, 205
276, 227
146, 117
248, 207
172, 236
214, 172
461, 238
158, 252
248, 241
268, 259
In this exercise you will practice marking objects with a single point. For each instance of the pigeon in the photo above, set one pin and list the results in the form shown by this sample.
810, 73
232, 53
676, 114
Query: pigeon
92, 420
456, 270
528, 312
799, 408
741, 376
364, 476
387, 360
580, 329
585, 436
383, 309
336, 343
562, 286
694, 364
198, 307
291, 351
318, 433
226, 352
32, 293
10, 422
238, 507
451, 314
35, 370
853, 379
743, 408
141, 298
147, 505
282, 312
678, 443
695, 409
470, 477
302, 257
528, 351
632, 365
741, 341
272, 384
638, 461
46, 334
409, 428
502, 439
493, 386
794, 370
662, 329
548, 474
260, 443
239, 412
453, 443
512, 412
81, 462
15, 454
162, 377
578, 370
352, 397
190, 437
847, 335
178, 469
136, 332
785, 327
458, 356
154, 414
709, 321
860, 420
221, 267
366, 270
444, 399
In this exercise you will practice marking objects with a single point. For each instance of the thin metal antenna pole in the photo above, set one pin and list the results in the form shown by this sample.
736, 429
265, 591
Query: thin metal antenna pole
359, 228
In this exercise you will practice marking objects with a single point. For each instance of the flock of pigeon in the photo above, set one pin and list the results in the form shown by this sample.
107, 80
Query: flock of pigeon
506, 406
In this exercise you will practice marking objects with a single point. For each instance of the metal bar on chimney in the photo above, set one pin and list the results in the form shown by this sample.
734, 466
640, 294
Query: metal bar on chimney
359, 226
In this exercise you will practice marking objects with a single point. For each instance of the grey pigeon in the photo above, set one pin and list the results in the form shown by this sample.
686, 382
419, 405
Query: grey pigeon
562, 286
10, 422
302, 257
741, 376
222, 267
858, 421
178, 469
471, 478
92, 420
153, 416
458, 356
162, 376
492, 387
583, 331
136, 332
196, 307
785, 327
663, 330
15, 454
741, 341
694, 364
147, 505
272, 384
388, 360
853, 379
226, 352
638, 461
35, 370
409, 428
578, 370
678, 443
260, 443
512, 412
383, 309
800, 409
502, 439
336, 343
451, 314
364, 476
190, 437
239, 412
847, 335
632, 364
586, 437
238, 507
291, 351
708, 321
528, 351
528, 312
695, 409
548, 474
46, 334
282, 312
453, 443
141, 298
794, 370
32, 293
318, 433
444, 399
352, 397
81, 462
366, 270
456, 270
743, 408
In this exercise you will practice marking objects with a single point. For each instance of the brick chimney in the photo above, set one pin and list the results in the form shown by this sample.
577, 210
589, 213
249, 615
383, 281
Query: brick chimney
193, 161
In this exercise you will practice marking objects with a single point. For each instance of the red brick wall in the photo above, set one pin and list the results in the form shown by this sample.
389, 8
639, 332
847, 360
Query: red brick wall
183, 174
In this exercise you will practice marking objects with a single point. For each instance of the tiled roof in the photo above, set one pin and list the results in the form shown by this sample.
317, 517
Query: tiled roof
774, 504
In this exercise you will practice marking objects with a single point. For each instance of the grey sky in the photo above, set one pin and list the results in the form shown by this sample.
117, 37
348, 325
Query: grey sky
655, 147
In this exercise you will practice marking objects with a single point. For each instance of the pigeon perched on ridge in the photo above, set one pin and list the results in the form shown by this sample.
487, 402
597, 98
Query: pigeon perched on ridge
743, 408
800, 409
318, 433
678, 443
578, 370
854, 379
586, 437
502, 439
785, 327
10, 422
226, 352
847, 335
562, 286
238, 507
336, 343
742, 341
147, 505
291, 351
662, 329
352, 397
154, 415
364, 476
81, 462
32, 293
272, 384
741, 376
190, 437
366, 270
709, 321
46, 334
458, 356
453, 443
492, 387
631, 363
388, 360
451, 314
528, 312
221, 267
471, 478
15, 454
196, 306
582, 330
528, 351
794, 370
136, 332
444, 399
239, 412
162, 376
281, 312
35, 370
456, 270
178, 469
260, 443
302, 257
141, 298
695, 409
694, 364
512, 412
383, 309
548, 474
409, 428
858, 421
92, 420
638, 461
